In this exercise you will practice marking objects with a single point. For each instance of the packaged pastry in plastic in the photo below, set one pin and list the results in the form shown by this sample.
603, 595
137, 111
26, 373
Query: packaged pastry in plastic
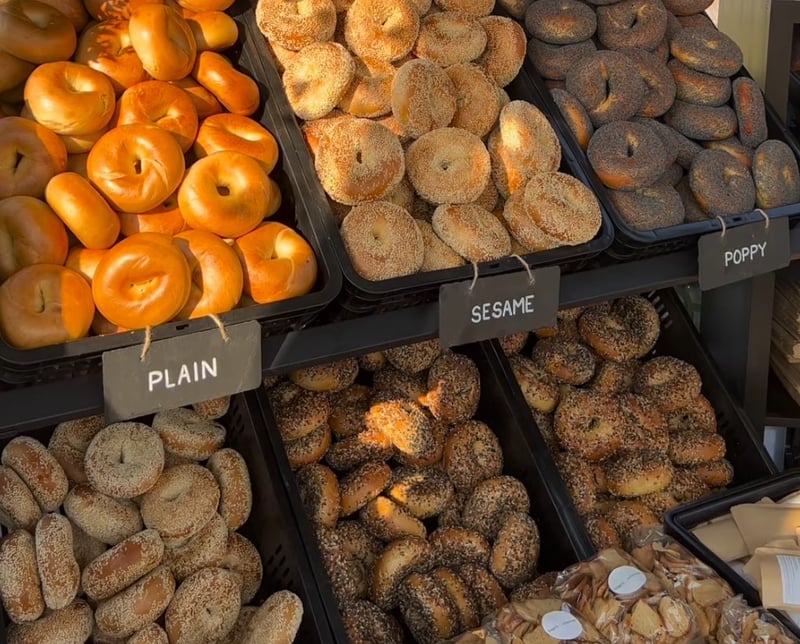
743, 624
626, 604
533, 621
683, 575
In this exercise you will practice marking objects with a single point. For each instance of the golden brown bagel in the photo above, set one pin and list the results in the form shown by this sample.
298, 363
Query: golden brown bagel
30, 155
238, 133
142, 281
163, 41
213, 30
217, 276
161, 104
83, 210
44, 304
226, 193
106, 47
235, 90
136, 167
30, 233
278, 263
36, 32
70, 98
165, 218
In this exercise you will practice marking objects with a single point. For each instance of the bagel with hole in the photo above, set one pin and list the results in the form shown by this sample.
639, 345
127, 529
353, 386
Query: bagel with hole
45, 304
69, 98
226, 193
163, 41
30, 155
217, 277
143, 281
136, 167
83, 210
30, 233
36, 32
278, 263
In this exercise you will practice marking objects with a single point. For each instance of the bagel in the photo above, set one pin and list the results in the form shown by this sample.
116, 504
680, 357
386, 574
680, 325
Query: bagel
30, 233
226, 193
69, 98
101, 517
83, 210
278, 263
30, 155
236, 91
220, 132
217, 276
36, 32
106, 47
124, 460
136, 167
15, 72
161, 104
182, 502
163, 41
213, 30
44, 304
144, 280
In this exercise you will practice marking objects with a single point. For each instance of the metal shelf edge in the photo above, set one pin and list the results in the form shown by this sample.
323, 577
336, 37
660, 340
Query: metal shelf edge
48, 403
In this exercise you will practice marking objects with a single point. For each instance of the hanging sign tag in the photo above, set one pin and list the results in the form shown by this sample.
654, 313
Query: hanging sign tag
739, 253
491, 307
181, 370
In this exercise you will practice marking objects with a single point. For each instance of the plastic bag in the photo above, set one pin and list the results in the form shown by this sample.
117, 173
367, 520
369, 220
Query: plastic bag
683, 576
625, 603
533, 621
743, 624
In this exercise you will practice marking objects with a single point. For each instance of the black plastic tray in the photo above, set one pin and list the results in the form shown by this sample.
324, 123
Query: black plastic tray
361, 296
85, 355
270, 526
678, 338
563, 541
680, 522
630, 243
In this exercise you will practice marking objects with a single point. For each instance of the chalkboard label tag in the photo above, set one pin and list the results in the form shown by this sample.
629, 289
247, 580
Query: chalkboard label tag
491, 307
742, 252
181, 370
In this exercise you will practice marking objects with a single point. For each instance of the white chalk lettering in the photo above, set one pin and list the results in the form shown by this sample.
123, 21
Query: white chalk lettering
187, 374
502, 309
744, 254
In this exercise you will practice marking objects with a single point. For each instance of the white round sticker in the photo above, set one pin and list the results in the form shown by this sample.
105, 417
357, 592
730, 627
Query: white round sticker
626, 580
560, 625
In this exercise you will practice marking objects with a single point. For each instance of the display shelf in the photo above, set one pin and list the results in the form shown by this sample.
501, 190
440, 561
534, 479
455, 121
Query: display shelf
83, 395
782, 410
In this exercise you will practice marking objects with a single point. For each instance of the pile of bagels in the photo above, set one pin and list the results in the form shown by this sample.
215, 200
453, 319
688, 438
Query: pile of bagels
128, 532
653, 92
633, 435
427, 162
415, 520
135, 188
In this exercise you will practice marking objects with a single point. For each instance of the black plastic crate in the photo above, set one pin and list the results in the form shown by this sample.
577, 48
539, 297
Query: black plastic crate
681, 520
628, 242
361, 296
270, 526
678, 338
563, 542
85, 355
